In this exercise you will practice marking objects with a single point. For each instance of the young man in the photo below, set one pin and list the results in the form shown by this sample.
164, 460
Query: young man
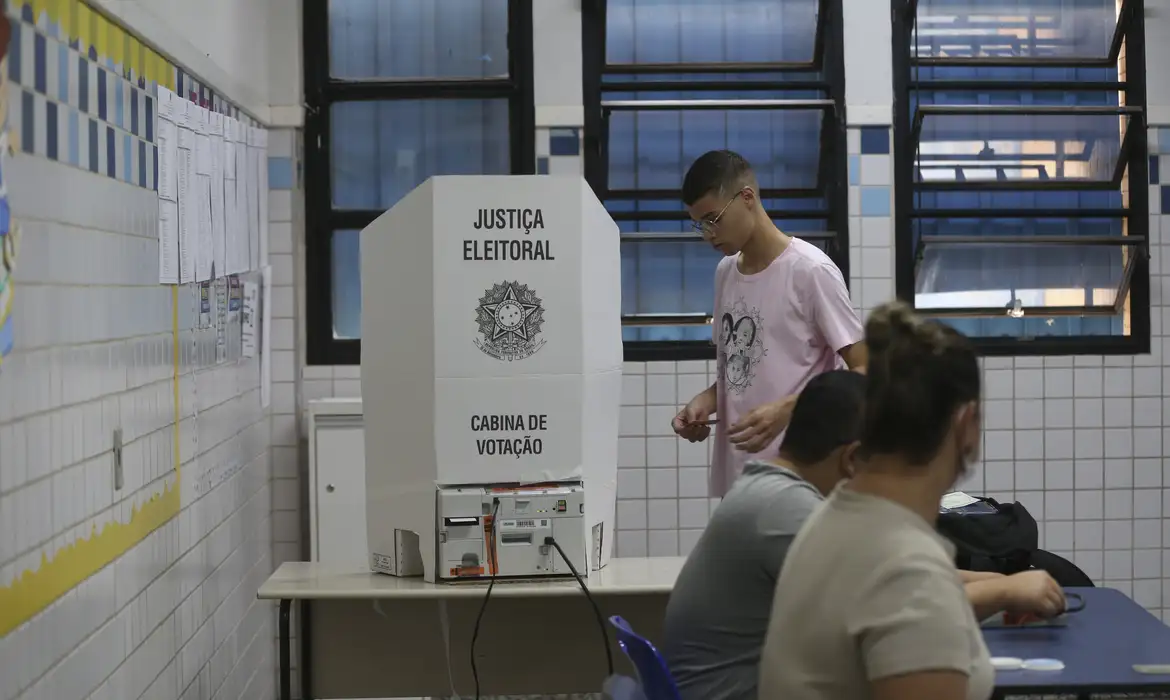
782, 316
718, 613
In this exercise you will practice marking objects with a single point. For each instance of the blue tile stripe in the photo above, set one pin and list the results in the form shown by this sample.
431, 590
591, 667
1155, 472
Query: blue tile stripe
280, 173
69, 107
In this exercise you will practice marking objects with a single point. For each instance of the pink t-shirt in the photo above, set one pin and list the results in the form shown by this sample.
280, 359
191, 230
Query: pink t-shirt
774, 331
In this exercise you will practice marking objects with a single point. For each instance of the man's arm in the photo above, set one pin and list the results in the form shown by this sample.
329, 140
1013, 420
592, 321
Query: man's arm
973, 576
836, 321
832, 312
1034, 592
856, 356
988, 596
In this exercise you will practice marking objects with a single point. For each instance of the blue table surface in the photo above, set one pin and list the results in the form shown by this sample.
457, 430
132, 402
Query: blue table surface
1099, 646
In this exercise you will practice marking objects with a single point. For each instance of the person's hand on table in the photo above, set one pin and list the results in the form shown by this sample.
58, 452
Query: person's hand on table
1034, 593
691, 422
761, 425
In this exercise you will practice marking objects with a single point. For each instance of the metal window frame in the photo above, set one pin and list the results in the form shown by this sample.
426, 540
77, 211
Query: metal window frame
909, 12
1130, 31
1124, 155
322, 91
1138, 246
832, 176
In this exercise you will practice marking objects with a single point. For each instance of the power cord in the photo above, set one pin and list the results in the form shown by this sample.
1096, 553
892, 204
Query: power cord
492, 568
596, 610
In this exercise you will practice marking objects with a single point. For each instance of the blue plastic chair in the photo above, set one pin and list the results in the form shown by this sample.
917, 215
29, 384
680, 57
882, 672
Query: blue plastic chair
653, 674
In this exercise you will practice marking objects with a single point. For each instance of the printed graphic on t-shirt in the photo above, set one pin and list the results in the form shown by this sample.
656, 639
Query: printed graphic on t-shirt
741, 343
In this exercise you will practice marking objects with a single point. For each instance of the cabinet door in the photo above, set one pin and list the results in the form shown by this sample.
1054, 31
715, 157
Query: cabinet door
341, 495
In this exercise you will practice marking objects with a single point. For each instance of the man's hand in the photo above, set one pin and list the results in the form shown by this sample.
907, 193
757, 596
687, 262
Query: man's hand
1034, 592
691, 422
761, 425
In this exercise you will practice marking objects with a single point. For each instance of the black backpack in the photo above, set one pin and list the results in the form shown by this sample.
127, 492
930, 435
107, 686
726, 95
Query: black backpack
1002, 542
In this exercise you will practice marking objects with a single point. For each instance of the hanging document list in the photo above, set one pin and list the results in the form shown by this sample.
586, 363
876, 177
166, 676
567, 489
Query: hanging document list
212, 193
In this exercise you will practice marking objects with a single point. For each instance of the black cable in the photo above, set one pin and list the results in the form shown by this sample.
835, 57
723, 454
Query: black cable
492, 566
596, 610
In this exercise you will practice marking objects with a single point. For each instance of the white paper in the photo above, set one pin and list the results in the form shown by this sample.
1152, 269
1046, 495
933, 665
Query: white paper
957, 499
265, 336
205, 316
165, 103
253, 165
231, 244
230, 129
218, 227
243, 231
251, 306
187, 215
167, 145
182, 110
168, 242
203, 154
205, 256
221, 319
262, 141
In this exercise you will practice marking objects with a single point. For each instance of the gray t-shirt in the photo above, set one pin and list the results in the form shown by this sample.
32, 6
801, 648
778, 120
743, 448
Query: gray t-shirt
718, 613
870, 591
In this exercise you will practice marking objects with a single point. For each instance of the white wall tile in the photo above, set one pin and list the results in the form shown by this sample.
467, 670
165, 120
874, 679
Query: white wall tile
94, 354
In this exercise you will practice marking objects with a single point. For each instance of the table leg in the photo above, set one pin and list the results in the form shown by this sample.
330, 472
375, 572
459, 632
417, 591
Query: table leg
285, 651
305, 635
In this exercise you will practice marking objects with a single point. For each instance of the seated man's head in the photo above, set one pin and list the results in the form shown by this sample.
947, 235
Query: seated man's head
825, 429
722, 196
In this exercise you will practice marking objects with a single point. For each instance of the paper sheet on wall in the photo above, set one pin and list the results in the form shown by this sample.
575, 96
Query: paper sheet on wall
262, 140
253, 201
167, 144
249, 330
243, 232
218, 230
168, 213
205, 242
221, 319
188, 220
265, 336
231, 233
168, 242
168, 217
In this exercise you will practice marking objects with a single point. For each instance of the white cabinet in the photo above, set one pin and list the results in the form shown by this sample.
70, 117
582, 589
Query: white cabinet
337, 482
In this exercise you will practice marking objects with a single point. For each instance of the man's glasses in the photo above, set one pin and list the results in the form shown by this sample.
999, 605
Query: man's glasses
707, 227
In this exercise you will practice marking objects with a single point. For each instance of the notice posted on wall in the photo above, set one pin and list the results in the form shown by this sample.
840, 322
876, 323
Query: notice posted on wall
212, 192
221, 320
248, 317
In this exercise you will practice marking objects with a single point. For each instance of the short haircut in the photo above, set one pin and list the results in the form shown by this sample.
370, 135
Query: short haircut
828, 414
919, 373
718, 172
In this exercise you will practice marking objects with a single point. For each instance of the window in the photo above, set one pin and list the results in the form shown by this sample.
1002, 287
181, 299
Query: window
1022, 200
398, 92
666, 81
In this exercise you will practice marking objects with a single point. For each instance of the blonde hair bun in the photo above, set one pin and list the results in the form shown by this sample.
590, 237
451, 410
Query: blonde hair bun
894, 329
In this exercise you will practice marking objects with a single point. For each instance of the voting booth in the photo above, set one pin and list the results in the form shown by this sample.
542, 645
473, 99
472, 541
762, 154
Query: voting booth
491, 378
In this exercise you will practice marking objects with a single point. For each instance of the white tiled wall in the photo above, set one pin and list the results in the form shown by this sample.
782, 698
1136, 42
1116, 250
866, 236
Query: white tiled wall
176, 615
285, 254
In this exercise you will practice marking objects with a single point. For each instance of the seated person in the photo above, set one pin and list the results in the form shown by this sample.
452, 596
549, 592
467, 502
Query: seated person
869, 603
718, 613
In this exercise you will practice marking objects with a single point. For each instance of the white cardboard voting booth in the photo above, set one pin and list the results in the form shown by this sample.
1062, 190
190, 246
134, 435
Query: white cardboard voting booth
491, 353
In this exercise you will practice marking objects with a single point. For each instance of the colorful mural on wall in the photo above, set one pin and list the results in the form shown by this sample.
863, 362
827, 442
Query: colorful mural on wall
8, 233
